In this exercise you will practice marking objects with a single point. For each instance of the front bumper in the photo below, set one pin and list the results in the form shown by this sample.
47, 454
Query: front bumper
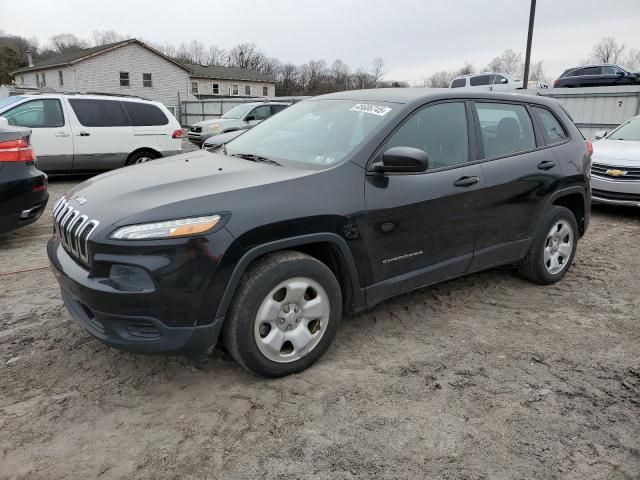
615, 192
126, 320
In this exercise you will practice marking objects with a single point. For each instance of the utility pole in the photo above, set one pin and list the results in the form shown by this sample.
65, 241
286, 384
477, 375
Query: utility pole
527, 58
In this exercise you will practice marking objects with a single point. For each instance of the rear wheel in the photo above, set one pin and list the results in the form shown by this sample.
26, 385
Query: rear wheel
285, 314
142, 156
553, 247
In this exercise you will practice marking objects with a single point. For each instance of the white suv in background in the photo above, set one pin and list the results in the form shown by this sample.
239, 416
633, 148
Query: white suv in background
93, 132
492, 81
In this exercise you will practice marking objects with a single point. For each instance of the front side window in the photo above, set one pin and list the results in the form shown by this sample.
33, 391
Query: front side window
261, 113
124, 79
234, 90
506, 129
591, 71
100, 113
314, 133
265, 91
438, 130
60, 78
237, 112
144, 114
43, 113
194, 88
552, 129
146, 80
459, 82
500, 79
215, 88
481, 80
247, 89
628, 131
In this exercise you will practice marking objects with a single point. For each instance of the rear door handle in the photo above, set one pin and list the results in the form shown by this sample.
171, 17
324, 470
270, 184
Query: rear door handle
466, 181
84, 134
62, 134
546, 165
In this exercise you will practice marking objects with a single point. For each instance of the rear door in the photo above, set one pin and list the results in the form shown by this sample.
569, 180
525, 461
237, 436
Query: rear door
151, 127
421, 228
519, 173
103, 135
50, 131
481, 82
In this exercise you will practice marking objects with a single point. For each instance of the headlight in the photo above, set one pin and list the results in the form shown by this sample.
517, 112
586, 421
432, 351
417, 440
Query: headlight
167, 229
212, 128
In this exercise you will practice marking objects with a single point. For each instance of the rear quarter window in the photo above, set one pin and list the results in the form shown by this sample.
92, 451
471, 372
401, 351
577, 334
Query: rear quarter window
459, 82
145, 114
552, 129
100, 113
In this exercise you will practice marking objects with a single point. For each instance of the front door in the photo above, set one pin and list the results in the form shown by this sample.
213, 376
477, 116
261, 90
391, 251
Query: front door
421, 228
50, 131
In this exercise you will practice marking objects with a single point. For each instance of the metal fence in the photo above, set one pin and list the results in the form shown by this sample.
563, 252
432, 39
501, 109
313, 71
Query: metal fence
597, 108
194, 111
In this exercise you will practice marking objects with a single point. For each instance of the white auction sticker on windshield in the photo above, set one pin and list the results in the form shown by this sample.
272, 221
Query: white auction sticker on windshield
371, 108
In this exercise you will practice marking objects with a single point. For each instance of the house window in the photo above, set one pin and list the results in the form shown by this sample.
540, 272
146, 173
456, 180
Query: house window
22, 79
146, 80
194, 88
247, 89
265, 91
234, 90
43, 80
215, 88
60, 78
124, 79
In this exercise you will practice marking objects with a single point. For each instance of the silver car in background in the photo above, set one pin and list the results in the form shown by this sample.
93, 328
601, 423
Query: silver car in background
615, 171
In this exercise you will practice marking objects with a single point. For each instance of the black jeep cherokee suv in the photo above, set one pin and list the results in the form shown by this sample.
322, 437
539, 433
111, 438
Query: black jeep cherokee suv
335, 204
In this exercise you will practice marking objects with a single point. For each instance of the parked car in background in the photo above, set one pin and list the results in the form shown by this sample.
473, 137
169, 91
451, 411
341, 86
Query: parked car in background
615, 171
93, 132
218, 141
599, 75
492, 82
333, 205
23, 188
240, 117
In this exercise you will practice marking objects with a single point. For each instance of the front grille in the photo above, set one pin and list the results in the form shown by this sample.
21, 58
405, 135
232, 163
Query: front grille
196, 129
630, 173
628, 197
74, 229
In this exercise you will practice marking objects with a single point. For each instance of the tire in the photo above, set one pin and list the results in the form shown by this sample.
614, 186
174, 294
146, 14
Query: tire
141, 156
556, 238
269, 307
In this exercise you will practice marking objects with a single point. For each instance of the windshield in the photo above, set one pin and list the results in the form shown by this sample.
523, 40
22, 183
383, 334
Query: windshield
315, 132
628, 131
238, 112
5, 102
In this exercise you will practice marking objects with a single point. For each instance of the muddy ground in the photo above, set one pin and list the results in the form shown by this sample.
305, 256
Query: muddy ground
479, 378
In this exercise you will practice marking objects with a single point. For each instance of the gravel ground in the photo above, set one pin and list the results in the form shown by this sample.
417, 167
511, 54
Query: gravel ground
482, 377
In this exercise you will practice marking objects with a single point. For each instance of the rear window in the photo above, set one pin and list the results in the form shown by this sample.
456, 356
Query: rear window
506, 129
459, 82
552, 129
100, 113
481, 80
145, 114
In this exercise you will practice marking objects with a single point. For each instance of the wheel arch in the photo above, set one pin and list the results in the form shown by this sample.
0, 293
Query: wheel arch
576, 200
142, 149
329, 248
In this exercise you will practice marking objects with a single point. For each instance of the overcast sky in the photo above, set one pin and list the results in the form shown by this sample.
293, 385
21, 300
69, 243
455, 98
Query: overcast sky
414, 37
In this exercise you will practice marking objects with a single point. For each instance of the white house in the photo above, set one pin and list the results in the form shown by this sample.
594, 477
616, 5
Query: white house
131, 67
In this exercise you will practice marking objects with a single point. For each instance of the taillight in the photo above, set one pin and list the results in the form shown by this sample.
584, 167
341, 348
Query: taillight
177, 134
556, 83
590, 148
16, 151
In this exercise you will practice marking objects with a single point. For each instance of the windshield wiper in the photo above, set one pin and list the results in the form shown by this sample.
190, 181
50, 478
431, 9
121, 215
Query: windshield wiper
255, 158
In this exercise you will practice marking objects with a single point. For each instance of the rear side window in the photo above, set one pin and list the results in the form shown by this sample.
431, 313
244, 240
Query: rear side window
506, 129
459, 82
440, 131
145, 114
261, 113
277, 108
481, 80
589, 71
552, 129
100, 113
43, 113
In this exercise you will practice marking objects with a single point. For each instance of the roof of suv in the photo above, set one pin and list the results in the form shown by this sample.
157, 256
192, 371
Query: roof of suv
87, 96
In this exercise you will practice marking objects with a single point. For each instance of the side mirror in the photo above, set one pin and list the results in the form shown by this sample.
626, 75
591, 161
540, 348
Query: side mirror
504, 80
403, 160
249, 118
599, 135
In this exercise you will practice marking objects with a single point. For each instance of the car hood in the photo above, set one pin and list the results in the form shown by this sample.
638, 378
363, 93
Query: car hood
191, 184
219, 121
621, 152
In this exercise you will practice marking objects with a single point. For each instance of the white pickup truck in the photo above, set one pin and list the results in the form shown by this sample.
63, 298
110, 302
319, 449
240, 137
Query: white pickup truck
93, 132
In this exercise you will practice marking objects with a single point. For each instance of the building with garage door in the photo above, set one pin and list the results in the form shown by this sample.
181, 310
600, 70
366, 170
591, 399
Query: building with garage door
131, 67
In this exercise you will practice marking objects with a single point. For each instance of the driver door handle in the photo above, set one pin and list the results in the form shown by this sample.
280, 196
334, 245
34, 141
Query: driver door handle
84, 134
466, 181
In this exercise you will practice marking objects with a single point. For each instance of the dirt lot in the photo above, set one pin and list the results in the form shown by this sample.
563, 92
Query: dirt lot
482, 377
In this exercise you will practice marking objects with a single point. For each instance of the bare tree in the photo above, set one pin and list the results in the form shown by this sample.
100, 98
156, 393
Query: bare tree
67, 42
536, 72
632, 60
466, 69
340, 75
607, 50
377, 70
245, 55
439, 79
104, 37
215, 55
508, 62
287, 78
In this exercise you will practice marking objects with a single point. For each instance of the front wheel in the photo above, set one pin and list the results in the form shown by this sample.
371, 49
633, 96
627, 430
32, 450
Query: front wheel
284, 316
553, 247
